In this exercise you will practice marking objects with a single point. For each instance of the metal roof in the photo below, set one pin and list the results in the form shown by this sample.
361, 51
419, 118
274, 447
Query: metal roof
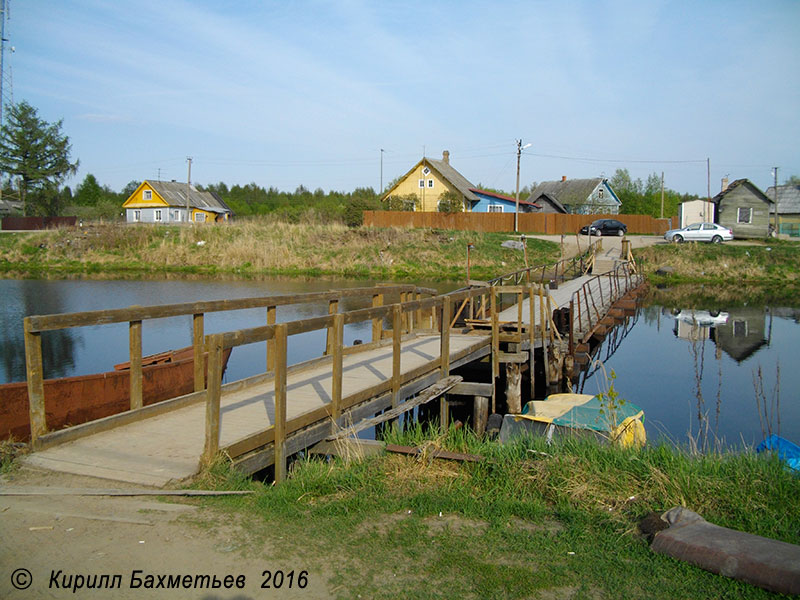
174, 192
569, 191
788, 198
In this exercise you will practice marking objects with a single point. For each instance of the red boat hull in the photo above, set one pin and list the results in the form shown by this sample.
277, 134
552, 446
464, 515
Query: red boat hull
75, 400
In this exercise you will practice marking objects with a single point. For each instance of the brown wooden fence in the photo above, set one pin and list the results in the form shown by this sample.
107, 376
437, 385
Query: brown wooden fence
504, 222
32, 223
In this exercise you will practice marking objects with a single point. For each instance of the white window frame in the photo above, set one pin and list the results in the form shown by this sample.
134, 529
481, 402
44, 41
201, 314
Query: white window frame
137, 215
176, 216
600, 193
147, 194
749, 210
495, 208
430, 183
157, 215
740, 328
200, 217
421, 183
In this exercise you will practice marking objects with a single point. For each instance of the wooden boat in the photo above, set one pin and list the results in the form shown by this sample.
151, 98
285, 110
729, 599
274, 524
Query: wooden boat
577, 414
82, 398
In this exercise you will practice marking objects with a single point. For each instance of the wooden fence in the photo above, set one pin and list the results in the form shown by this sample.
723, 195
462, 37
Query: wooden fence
545, 223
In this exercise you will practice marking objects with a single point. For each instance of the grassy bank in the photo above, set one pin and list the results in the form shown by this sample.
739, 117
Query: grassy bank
260, 247
776, 263
530, 521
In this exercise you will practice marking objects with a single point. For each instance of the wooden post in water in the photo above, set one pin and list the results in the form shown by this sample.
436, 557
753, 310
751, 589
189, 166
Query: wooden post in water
480, 414
35, 374
213, 397
135, 344
444, 405
377, 326
198, 351
280, 402
271, 317
514, 387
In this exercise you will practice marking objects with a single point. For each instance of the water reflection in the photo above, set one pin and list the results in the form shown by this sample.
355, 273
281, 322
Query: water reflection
21, 299
707, 377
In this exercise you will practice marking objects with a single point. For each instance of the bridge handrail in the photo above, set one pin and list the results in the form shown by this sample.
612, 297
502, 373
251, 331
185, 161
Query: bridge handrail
34, 325
621, 279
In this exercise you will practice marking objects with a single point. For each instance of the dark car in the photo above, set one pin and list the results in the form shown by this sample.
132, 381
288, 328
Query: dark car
605, 227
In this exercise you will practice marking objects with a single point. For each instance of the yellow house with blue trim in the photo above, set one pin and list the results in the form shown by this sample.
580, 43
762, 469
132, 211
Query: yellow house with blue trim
174, 202
427, 181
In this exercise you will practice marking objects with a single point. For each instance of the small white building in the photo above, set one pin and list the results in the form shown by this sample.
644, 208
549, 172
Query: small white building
696, 211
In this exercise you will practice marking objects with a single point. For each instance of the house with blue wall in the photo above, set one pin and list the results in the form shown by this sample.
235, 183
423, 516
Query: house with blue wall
490, 202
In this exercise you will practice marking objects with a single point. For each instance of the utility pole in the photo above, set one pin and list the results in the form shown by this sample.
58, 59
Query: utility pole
380, 191
708, 176
775, 172
3, 40
188, 189
662, 194
520, 148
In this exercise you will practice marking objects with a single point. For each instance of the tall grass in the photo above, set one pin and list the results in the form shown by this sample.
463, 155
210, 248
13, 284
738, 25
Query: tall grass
269, 246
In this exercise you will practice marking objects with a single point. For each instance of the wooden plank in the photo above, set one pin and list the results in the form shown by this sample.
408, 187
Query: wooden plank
348, 448
512, 357
447, 310
62, 491
445, 454
467, 388
271, 319
35, 374
280, 402
433, 392
336, 374
198, 347
333, 308
397, 316
377, 300
135, 344
213, 395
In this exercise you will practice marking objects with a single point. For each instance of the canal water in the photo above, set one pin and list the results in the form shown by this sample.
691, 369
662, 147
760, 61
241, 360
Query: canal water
705, 378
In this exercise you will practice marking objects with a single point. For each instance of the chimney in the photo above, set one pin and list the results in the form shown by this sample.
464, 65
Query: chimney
446, 156
563, 178
724, 184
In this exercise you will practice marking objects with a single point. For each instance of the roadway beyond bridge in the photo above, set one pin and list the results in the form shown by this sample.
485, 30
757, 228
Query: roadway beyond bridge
418, 341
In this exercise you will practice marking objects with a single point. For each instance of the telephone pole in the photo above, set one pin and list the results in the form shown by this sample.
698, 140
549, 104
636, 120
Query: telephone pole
662, 194
380, 191
520, 148
188, 189
775, 172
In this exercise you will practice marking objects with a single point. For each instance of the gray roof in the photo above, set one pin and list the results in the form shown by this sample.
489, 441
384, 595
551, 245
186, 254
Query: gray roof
742, 182
569, 192
788, 198
174, 192
457, 179
10, 206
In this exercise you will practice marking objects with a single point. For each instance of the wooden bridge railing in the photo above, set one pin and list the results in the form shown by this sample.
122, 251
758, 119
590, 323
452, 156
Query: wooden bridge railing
407, 318
589, 304
135, 315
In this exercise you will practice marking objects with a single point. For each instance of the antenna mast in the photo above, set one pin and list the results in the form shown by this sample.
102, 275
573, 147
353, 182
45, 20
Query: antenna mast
3, 40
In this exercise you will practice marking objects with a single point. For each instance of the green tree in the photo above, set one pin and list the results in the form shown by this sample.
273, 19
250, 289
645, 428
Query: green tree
88, 192
451, 202
407, 202
793, 180
129, 188
37, 153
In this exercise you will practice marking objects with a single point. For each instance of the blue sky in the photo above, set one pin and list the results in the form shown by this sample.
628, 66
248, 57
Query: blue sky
293, 92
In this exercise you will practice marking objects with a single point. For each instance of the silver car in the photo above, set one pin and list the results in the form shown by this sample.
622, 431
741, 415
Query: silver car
700, 232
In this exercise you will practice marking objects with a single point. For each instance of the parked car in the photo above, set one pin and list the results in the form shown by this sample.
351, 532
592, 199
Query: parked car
605, 227
700, 232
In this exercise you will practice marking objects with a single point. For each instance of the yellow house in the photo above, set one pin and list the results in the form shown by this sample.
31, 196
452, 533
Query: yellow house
428, 180
166, 202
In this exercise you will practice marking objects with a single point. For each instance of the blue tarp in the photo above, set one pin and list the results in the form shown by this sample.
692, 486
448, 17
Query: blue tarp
787, 451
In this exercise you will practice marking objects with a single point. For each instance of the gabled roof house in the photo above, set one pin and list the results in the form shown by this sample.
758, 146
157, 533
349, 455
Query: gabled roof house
492, 202
744, 209
166, 202
428, 180
576, 196
788, 208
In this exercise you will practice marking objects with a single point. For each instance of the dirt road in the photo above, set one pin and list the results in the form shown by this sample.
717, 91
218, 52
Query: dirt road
58, 538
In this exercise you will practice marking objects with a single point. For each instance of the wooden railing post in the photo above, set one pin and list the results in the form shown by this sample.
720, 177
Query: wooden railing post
271, 317
418, 316
280, 402
338, 354
543, 330
35, 373
397, 337
532, 336
199, 352
333, 308
135, 345
213, 397
494, 313
447, 314
377, 324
